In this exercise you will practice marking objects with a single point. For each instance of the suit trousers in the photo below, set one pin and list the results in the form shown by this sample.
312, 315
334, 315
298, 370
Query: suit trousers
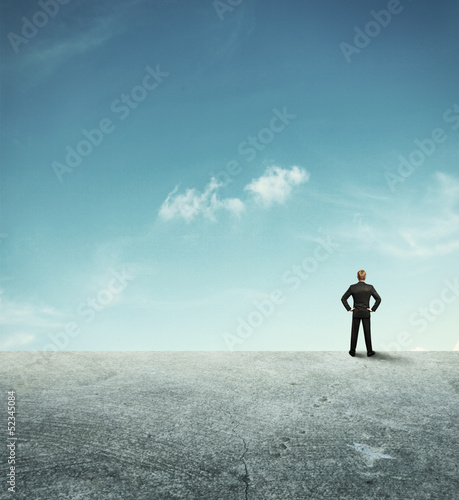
366, 331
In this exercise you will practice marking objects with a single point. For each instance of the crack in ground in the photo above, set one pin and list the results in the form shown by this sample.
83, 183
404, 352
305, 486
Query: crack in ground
245, 477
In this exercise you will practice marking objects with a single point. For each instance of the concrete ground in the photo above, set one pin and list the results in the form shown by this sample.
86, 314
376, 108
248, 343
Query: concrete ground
233, 425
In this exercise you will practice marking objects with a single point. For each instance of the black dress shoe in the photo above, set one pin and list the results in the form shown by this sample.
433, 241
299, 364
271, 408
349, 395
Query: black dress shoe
371, 353
352, 353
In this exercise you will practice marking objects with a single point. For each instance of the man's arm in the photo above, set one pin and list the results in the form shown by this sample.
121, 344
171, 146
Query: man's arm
377, 298
344, 299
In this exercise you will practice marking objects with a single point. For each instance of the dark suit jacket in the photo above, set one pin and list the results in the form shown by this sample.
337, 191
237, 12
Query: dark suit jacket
361, 293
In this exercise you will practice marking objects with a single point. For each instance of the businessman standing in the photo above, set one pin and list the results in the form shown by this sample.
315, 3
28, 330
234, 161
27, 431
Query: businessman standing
361, 293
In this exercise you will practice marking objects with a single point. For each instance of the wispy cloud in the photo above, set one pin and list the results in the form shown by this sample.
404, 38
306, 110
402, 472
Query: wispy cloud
21, 322
230, 36
27, 315
16, 340
67, 36
425, 226
276, 184
436, 231
193, 203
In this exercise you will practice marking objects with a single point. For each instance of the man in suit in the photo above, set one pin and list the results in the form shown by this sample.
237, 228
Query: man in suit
361, 293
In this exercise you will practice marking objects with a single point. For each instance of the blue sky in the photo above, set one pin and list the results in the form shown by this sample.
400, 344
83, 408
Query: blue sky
198, 175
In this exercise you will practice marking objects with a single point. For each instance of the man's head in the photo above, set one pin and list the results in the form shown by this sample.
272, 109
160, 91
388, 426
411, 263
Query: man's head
361, 275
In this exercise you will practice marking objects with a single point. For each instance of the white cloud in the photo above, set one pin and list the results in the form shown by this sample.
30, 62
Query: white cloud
26, 315
436, 231
276, 184
21, 322
193, 204
425, 224
17, 340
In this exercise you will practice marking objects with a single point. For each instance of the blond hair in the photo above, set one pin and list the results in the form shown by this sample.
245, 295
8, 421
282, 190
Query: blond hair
361, 275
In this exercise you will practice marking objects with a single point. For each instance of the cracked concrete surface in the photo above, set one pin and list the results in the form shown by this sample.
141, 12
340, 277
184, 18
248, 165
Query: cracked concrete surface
245, 477
233, 425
